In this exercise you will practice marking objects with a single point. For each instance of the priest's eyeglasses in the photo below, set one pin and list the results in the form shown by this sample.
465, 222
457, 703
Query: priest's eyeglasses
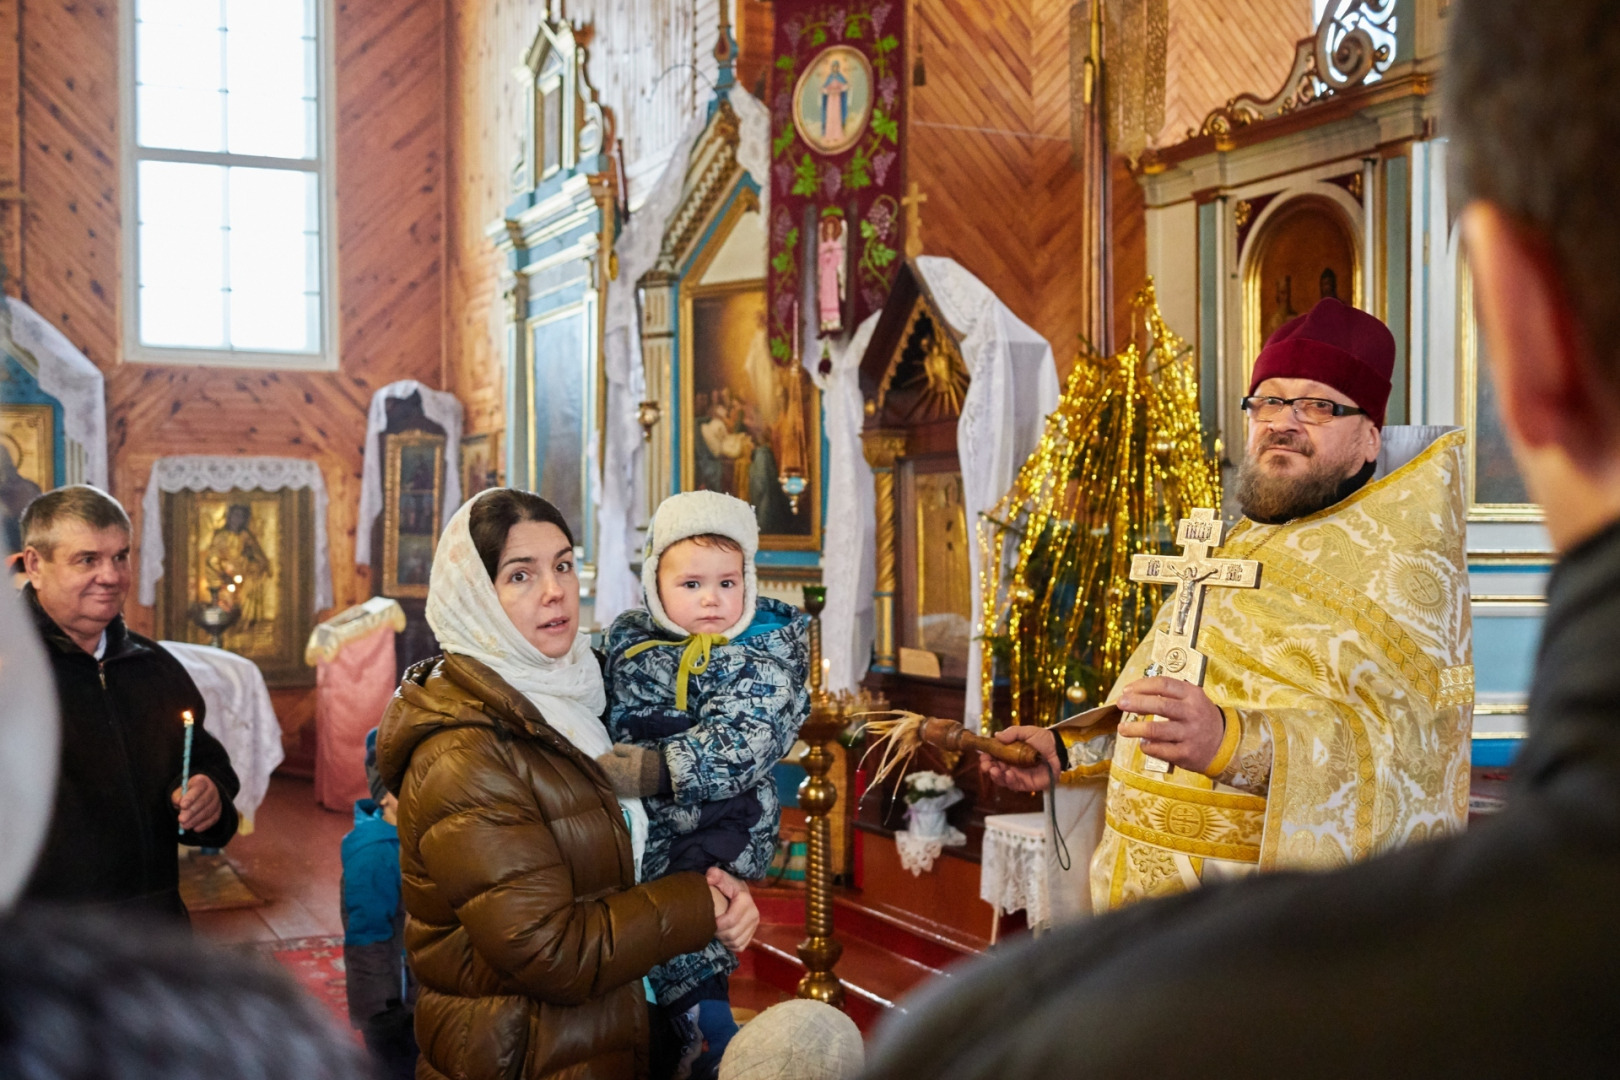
1311, 410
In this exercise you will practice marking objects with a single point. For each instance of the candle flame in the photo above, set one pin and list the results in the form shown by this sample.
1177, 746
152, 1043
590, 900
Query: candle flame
186, 716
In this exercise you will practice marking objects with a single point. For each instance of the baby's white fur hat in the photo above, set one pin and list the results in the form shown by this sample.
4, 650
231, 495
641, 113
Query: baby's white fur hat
695, 513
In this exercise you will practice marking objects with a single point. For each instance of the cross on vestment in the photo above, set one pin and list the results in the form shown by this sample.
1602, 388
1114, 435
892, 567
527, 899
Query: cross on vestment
1175, 652
913, 201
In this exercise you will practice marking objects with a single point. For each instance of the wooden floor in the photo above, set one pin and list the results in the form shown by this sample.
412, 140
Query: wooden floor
292, 860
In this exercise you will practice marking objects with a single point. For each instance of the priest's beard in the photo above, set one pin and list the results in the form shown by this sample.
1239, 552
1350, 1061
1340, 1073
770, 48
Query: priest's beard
1272, 500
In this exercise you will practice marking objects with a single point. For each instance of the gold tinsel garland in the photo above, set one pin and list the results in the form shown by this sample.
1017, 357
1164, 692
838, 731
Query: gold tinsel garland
1121, 460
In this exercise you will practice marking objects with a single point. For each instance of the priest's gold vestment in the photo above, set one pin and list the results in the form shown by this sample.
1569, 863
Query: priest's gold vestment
1349, 673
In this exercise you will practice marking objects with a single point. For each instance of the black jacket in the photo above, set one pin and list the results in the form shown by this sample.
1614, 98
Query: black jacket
113, 834
1492, 953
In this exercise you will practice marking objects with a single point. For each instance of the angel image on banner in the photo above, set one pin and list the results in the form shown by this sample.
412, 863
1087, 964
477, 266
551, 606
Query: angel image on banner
831, 262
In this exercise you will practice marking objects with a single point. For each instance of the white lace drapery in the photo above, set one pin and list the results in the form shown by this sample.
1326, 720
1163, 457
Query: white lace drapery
67, 375
618, 511
237, 712
1014, 385
441, 408
1013, 867
848, 544
198, 472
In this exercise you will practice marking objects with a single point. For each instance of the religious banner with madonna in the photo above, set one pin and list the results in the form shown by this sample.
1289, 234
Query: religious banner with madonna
837, 97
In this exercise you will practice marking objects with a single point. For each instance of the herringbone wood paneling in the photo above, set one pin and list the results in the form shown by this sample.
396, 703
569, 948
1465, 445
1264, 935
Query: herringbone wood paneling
1218, 50
389, 176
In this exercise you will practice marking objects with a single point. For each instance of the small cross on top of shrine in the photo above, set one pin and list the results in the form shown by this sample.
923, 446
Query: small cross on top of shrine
913, 201
1175, 652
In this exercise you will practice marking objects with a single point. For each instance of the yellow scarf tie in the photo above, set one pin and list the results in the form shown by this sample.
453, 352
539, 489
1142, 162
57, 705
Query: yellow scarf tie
694, 661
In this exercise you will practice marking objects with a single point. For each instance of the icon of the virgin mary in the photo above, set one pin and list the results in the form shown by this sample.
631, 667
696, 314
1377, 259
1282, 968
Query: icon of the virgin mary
834, 105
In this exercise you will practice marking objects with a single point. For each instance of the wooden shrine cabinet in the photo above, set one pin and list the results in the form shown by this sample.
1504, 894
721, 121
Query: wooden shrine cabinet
913, 379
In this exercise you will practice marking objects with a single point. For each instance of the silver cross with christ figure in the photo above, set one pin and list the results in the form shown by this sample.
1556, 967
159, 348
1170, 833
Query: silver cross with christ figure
1174, 649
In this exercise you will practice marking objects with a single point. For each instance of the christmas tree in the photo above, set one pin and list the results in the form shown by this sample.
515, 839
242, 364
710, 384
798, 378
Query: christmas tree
1121, 460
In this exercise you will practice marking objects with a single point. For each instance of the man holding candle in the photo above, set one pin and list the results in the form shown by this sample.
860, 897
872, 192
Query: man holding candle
122, 698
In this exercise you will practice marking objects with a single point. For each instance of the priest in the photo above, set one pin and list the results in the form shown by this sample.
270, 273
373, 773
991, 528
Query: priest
1334, 718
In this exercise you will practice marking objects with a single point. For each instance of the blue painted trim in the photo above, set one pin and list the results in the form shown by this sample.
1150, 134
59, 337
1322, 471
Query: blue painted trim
1495, 753
1397, 279
555, 301
744, 180
788, 558
18, 387
560, 243
1498, 568
677, 391
1209, 291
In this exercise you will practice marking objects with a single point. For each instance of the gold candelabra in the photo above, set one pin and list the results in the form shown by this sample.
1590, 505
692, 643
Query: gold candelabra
817, 797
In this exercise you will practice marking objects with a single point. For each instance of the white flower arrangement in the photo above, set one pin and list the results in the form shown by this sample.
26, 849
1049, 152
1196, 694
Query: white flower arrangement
927, 785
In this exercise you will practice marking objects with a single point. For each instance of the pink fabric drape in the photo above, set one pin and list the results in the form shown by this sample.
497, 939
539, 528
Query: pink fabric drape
351, 692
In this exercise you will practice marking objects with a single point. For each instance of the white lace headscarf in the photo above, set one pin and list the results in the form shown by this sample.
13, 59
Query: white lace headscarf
467, 618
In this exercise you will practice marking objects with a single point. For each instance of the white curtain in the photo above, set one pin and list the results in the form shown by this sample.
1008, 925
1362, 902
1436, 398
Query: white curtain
67, 375
438, 406
1014, 385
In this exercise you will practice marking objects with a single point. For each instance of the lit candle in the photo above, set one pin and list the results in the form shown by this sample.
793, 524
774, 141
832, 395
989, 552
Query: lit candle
185, 762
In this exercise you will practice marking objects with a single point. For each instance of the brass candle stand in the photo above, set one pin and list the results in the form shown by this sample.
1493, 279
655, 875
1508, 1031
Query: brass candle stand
817, 797
829, 714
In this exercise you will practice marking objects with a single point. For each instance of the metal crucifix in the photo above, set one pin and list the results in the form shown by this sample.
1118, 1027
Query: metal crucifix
1174, 649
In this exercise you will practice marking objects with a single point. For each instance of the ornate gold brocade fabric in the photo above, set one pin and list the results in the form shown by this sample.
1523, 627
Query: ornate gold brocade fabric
1352, 661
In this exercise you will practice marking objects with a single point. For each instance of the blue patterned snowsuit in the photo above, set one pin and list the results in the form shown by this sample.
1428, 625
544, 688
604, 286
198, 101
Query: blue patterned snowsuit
743, 713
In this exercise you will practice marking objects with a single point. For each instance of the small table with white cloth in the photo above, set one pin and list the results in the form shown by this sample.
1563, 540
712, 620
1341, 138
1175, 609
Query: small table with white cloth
1013, 871
239, 715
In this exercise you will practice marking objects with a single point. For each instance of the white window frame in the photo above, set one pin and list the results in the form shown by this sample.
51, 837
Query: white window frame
326, 358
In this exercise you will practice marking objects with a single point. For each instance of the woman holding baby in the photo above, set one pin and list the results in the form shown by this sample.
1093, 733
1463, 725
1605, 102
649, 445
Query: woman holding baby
526, 925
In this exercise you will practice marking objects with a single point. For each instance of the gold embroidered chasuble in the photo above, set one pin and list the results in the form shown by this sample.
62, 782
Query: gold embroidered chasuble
1349, 673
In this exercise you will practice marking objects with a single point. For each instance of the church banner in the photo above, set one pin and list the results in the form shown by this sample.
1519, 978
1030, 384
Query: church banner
837, 96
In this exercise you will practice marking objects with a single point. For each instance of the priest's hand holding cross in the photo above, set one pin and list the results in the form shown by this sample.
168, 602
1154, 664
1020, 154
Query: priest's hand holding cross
1189, 727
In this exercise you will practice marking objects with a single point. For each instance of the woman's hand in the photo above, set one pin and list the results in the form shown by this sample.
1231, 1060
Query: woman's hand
735, 921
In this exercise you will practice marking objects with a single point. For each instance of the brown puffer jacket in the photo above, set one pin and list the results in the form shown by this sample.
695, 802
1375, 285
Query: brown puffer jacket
524, 922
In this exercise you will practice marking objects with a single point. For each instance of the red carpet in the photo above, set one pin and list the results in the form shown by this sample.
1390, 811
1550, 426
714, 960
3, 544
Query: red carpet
317, 964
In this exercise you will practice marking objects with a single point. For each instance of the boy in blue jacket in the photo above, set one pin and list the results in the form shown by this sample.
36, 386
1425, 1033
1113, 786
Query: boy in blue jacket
374, 972
707, 689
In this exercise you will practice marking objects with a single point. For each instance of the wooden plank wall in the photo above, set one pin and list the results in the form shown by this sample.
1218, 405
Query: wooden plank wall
989, 146
10, 143
1219, 50
390, 217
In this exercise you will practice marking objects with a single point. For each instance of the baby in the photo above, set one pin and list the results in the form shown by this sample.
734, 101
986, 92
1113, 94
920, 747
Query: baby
707, 690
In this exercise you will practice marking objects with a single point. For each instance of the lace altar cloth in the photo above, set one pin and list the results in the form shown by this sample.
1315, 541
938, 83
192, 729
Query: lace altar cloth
441, 408
67, 375
619, 509
1013, 868
197, 472
238, 714
918, 853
